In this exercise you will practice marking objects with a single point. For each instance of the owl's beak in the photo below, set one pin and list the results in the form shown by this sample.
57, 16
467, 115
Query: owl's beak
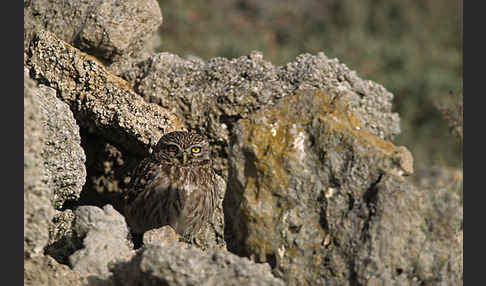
184, 158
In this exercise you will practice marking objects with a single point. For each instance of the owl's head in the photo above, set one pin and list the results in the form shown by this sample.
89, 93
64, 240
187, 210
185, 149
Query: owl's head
183, 148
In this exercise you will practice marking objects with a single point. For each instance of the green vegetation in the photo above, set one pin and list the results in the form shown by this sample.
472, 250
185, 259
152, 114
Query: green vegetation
413, 48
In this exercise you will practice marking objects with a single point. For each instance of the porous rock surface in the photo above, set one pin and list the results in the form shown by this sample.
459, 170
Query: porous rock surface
53, 173
50, 132
211, 96
312, 185
62, 153
326, 202
38, 208
124, 118
105, 240
62, 240
118, 32
100, 100
44, 270
161, 236
181, 264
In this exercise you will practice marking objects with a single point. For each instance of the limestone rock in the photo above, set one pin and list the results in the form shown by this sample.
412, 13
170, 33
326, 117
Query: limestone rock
99, 100
119, 32
181, 264
412, 238
211, 96
38, 208
104, 234
64, 18
44, 270
62, 240
161, 236
62, 153
369, 101
315, 189
325, 201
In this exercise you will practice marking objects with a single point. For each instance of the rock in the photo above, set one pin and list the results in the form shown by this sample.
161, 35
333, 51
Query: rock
161, 236
413, 236
315, 189
62, 225
120, 32
44, 270
62, 153
325, 201
62, 240
99, 100
120, 27
91, 218
104, 234
38, 208
370, 102
114, 112
64, 18
441, 194
211, 96
61, 163
180, 264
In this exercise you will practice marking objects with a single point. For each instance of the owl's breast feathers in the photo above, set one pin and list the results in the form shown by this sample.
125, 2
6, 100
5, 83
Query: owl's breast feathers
180, 196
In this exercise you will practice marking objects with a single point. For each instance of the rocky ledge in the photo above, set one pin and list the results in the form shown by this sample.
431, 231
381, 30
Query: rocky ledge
315, 192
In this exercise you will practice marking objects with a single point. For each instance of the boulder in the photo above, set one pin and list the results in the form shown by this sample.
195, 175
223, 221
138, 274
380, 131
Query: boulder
44, 271
325, 201
62, 154
100, 101
105, 240
62, 240
212, 96
38, 207
181, 264
313, 191
121, 33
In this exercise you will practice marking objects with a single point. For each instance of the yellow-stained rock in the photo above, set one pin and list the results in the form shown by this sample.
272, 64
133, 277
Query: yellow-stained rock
285, 159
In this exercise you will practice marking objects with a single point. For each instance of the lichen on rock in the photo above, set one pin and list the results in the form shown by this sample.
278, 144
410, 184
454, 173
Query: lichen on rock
302, 181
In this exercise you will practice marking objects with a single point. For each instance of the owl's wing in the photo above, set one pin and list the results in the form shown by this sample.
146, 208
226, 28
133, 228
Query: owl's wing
141, 175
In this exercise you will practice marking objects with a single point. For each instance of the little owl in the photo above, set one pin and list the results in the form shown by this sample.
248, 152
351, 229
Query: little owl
176, 185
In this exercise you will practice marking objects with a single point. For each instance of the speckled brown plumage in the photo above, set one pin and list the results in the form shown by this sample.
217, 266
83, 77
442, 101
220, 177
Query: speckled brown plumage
175, 186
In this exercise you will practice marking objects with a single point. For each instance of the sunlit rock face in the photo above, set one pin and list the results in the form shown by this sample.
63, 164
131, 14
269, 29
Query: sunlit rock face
322, 200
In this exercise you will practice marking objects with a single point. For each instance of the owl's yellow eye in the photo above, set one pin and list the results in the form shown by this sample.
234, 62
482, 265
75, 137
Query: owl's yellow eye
195, 150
